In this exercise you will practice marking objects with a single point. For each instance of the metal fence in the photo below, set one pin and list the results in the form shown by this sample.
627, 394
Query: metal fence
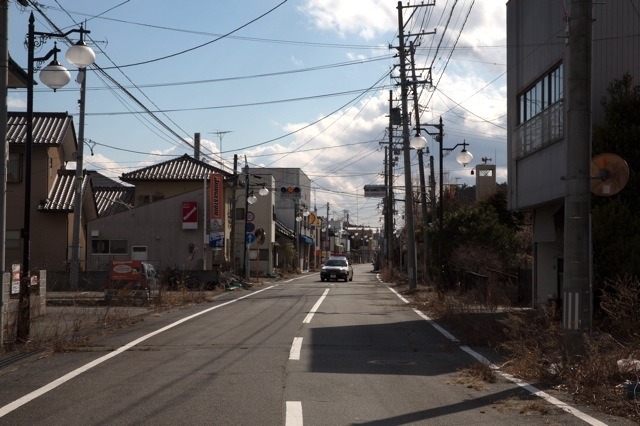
93, 280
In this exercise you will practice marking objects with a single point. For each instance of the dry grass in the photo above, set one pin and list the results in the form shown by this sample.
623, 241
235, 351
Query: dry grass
475, 376
525, 406
535, 346
65, 328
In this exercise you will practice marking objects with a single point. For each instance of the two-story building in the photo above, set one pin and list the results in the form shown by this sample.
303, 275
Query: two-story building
52, 195
538, 98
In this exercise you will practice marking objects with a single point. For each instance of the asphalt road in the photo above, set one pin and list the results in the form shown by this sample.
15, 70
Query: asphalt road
302, 352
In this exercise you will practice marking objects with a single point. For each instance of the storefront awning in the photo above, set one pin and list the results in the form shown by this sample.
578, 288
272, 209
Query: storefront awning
306, 240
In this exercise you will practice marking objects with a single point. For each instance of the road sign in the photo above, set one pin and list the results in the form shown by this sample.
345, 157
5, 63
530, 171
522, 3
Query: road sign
250, 238
250, 216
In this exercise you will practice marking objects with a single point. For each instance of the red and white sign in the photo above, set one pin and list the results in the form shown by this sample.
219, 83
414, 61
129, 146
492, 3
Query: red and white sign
216, 200
125, 270
189, 215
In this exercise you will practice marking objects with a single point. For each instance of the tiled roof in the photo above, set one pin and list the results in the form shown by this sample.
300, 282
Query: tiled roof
111, 196
99, 180
61, 197
183, 168
282, 229
48, 127
112, 200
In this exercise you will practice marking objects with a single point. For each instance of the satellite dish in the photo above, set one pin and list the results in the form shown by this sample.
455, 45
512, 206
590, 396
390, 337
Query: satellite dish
609, 174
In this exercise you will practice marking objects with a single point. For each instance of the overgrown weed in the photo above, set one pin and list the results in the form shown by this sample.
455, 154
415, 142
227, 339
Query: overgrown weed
534, 343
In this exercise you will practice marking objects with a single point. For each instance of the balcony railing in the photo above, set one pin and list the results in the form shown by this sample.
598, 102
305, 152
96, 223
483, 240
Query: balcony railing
540, 131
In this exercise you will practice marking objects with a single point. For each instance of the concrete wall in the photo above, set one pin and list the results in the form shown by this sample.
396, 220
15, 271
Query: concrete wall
9, 306
546, 272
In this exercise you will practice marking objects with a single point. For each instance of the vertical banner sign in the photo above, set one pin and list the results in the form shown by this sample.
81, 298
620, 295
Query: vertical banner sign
189, 215
216, 202
216, 210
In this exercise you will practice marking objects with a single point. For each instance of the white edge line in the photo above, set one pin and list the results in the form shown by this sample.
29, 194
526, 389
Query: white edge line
296, 347
61, 380
294, 414
530, 388
313, 310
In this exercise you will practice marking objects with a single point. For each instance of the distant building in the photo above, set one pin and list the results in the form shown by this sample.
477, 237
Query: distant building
485, 181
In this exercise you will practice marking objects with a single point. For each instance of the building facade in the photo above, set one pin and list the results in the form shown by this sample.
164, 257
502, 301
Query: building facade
538, 98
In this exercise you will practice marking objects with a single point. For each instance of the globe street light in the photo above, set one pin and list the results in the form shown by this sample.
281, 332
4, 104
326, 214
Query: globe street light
250, 198
464, 157
55, 76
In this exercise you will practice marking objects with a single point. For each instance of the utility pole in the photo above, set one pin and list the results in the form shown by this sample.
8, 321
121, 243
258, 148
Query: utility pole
234, 200
408, 203
4, 150
389, 185
326, 236
79, 192
577, 295
423, 191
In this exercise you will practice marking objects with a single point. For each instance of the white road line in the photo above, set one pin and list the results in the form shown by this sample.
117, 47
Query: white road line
296, 347
307, 319
530, 388
294, 414
48, 387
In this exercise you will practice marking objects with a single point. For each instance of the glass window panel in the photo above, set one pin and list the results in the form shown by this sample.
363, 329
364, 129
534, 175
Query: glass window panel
118, 246
100, 246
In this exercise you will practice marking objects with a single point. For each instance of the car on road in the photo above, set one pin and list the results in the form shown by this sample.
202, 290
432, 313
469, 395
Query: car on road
336, 268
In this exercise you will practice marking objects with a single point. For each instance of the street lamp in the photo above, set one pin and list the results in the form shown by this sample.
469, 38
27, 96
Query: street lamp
301, 213
250, 198
54, 76
464, 157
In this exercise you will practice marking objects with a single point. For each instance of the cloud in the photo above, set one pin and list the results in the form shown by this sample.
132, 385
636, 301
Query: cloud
340, 155
16, 103
297, 62
350, 17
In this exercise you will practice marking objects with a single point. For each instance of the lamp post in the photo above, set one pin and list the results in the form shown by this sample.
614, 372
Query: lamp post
54, 76
301, 213
464, 157
249, 198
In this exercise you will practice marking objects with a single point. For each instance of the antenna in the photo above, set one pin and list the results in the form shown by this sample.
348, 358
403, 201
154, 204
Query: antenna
220, 134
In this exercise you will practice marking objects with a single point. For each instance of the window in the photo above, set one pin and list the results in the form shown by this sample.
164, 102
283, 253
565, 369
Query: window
14, 168
109, 246
544, 93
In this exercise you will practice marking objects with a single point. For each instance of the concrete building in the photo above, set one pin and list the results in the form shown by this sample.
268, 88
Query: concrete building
538, 95
292, 208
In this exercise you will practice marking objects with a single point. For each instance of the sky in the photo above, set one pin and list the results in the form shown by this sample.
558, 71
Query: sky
280, 83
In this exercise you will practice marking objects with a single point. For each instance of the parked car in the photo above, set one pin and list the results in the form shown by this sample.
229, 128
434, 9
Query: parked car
131, 279
336, 268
